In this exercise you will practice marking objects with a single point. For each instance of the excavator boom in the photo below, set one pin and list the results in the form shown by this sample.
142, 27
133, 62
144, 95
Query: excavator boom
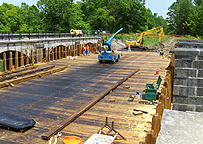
139, 41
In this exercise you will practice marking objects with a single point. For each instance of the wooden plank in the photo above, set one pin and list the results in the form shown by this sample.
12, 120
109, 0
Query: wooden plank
17, 70
25, 73
79, 112
32, 76
136, 109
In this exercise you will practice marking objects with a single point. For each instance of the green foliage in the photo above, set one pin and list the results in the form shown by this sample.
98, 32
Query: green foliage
184, 16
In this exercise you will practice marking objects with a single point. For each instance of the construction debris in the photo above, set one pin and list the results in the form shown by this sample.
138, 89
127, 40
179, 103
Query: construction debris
126, 87
137, 113
135, 109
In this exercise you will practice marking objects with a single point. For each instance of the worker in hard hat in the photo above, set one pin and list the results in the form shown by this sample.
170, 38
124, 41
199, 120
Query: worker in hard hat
88, 50
129, 49
84, 51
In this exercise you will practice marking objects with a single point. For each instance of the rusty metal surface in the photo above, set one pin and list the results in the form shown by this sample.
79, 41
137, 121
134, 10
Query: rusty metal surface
52, 99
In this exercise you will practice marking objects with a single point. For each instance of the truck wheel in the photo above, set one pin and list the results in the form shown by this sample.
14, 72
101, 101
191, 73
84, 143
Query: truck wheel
100, 61
117, 60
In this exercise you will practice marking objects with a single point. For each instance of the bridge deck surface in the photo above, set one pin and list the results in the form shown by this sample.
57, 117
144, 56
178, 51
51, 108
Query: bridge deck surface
52, 99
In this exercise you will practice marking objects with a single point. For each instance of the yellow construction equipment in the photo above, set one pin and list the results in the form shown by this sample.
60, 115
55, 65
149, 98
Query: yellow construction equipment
138, 43
76, 32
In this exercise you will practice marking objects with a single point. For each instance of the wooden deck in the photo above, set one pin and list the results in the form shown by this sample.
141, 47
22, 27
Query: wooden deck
52, 99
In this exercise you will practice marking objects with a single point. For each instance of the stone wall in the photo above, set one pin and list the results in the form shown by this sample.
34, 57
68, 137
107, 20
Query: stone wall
188, 78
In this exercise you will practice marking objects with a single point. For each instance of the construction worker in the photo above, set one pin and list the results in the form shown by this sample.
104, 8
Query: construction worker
129, 49
84, 51
87, 49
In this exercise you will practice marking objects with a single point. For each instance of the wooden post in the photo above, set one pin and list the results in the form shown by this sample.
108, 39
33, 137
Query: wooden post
36, 56
150, 138
49, 58
10, 61
160, 108
40, 55
168, 98
52, 54
16, 59
44, 54
65, 52
55, 57
80, 50
77, 46
4, 62
59, 52
172, 74
62, 52
68, 50
21, 59
27, 58
156, 122
32, 57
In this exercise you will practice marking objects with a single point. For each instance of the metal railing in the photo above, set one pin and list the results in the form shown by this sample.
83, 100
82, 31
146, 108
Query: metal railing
23, 35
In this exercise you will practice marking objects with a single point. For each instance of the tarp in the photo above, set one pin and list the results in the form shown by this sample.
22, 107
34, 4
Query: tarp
15, 122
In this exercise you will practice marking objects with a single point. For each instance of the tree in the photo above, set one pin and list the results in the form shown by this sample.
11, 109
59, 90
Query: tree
198, 22
53, 13
180, 17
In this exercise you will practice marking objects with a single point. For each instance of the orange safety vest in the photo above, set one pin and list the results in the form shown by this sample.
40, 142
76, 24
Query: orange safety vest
128, 45
87, 48
84, 48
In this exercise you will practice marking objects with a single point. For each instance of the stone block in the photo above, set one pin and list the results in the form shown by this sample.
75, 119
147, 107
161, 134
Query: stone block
184, 73
198, 64
191, 91
180, 81
180, 99
201, 51
200, 57
200, 92
195, 100
183, 63
180, 90
183, 107
195, 82
200, 73
199, 108
186, 57
187, 51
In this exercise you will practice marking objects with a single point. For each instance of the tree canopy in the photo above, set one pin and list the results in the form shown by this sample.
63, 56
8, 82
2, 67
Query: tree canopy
184, 16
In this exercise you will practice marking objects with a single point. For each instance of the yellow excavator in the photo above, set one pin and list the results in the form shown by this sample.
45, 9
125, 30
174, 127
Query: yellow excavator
138, 43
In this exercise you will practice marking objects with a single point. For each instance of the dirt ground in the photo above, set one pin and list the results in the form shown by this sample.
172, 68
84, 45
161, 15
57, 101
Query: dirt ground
168, 45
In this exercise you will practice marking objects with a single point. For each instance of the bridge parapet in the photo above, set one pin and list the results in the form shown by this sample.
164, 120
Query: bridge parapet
22, 45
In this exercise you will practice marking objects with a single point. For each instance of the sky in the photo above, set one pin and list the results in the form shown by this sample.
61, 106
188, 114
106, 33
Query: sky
156, 6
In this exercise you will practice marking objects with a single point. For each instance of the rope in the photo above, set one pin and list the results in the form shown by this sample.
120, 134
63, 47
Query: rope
55, 136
